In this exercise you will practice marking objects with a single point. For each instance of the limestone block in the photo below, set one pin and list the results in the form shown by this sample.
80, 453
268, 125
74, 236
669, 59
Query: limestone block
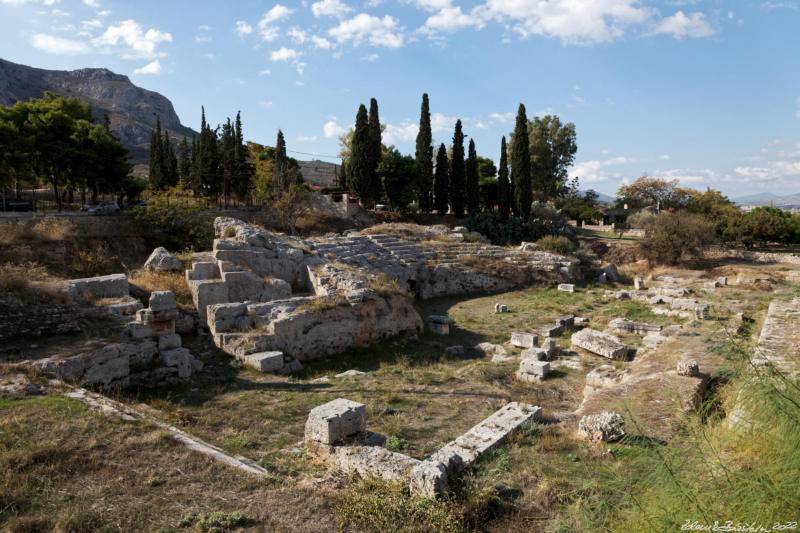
205, 293
264, 361
111, 286
551, 330
70, 369
581, 320
602, 427
599, 343
623, 325
550, 346
105, 365
487, 348
504, 309
184, 323
533, 370
162, 260
723, 281
439, 325
710, 285
702, 312
146, 316
203, 270
611, 272
566, 287
372, 461
162, 301
291, 367
139, 354
438, 319
606, 376
688, 304
688, 367
161, 327
654, 339
169, 341
335, 421
139, 330
540, 354
179, 358
350, 374
524, 340
639, 284
429, 479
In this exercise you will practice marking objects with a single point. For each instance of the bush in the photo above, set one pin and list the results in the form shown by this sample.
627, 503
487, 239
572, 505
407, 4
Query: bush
557, 245
641, 219
673, 235
514, 231
177, 224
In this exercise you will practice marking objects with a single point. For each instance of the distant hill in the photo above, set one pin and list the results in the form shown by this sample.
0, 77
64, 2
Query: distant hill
319, 173
132, 110
767, 198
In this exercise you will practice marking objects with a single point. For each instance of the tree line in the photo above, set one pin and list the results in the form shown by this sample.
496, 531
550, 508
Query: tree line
457, 180
55, 141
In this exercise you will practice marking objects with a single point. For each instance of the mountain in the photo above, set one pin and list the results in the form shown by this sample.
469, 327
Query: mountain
319, 173
756, 198
132, 110
785, 201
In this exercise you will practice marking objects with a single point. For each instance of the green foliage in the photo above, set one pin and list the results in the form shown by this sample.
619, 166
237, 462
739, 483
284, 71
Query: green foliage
471, 183
647, 191
358, 164
558, 245
441, 183
217, 521
397, 444
176, 223
424, 157
764, 224
641, 219
674, 234
374, 148
400, 176
457, 175
521, 167
552, 151
513, 231
504, 192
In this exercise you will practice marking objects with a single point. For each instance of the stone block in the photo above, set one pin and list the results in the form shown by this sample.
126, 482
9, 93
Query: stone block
139, 330
531, 369
169, 341
162, 260
161, 327
264, 361
723, 281
205, 293
654, 339
639, 284
428, 478
606, 376
105, 366
688, 367
487, 348
624, 325
540, 354
566, 287
438, 329
438, 319
550, 346
524, 340
602, 427
203, 270
702, 312
176, 356
335, 421
551, 330
600, 343
111, 286
162, 301
611, 272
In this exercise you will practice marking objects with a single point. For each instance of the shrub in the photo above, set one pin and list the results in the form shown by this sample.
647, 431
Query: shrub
673, 235
176, 224
641, 219
515, 230
557, 245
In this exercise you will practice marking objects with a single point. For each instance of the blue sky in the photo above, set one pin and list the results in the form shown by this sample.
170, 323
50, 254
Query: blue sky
705, 91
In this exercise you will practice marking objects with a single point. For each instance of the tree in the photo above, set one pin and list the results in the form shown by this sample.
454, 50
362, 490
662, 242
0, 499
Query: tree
424, 157
652, 191
243, 169
552, 147
170, 162
457, 172
374, 148
185, 161
765, 224
156, 175
504, 192
400, 175
341, 175
359, 172
473, 198
441, 185
521, 167
673, 235
281, 165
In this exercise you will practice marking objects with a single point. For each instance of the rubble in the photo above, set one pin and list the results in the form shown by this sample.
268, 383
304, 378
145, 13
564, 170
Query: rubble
161, 260
603, 427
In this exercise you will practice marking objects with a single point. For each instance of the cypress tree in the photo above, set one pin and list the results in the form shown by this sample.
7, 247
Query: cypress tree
358, 166
503, 186
472, 189
374, 149
227, 159
341, 177
457, 172
193, 179
440, 183
170, 169
280, 168
424, 156
184, 161
521, 167
243, 170
156, 162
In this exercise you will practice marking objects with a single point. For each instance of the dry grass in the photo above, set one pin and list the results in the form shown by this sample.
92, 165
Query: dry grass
150, 281
42, 230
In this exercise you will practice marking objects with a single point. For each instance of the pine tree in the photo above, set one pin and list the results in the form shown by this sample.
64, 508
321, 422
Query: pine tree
457, 172
280, 168
440, 182
424, 156
521, 167
156, 157
184, 161
358, 166
374, 149
472, 189
504, 193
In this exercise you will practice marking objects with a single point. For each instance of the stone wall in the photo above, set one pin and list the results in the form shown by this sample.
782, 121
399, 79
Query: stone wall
756, 257
37, 319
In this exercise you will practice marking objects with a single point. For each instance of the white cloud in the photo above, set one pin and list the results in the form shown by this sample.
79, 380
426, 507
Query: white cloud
693, 177
93, 23
306, 138
104, 13
59, 46
452, 19
596, 171
330, 8
405, 132
275, 14
265, 72
268, 33
204, 27
480, 125
440, 123
92, 3
503, 118
297, 35
377, 31
142, 45
242, 28
371, 58
59, 13
332, 129
664, 157
265, 103
798, 108
283, 54
679, 26
321, 42
779, 5
154, 67
569, 20
433, 5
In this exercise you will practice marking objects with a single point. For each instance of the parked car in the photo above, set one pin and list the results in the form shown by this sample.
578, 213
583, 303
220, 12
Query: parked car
15, 205
101, 208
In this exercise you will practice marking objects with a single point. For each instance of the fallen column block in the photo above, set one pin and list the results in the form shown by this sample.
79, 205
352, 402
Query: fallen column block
600, 343
524, 340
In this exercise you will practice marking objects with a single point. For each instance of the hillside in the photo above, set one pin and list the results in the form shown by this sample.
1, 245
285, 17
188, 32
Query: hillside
132, 110
319, 173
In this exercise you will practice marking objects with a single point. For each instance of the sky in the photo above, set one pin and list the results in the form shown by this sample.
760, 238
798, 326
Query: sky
703, 91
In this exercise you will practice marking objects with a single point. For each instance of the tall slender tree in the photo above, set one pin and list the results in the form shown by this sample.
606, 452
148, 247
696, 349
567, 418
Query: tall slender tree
521, 167
374, 148
424, 156
359, 172
243, 169
504, 193
473, 193
280, 167
441, 185
341, 175
184, 161
170, 170
457, 172
156, 171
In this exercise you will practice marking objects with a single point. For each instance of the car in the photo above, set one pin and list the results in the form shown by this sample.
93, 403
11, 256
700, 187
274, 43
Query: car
15, 205
382, 207
101, 208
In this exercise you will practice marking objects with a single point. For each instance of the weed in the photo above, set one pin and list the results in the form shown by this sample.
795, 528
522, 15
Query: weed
217, 521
